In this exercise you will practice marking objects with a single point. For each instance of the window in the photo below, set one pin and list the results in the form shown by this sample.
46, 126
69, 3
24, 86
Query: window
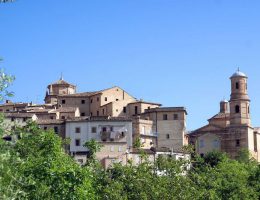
116, 110
119, 149
97, 98
111, 128
63, 117
94, 129
167, 136
91, 114
123, 134
103, 111
97, 113
91, 101
77, 130
112, 149
124, 109
105, 98
255, 142
237, 108
216, 144
24, 119
83, 101
51, 117
201, 143
117, 99
248, 109
175, 116
82, 114
45, 128
237, 85
80, 161
56, 129
165, 117
237, 143
77, 142
104, 129
149, 107
7, 110
136, 110
12, 119
63, 101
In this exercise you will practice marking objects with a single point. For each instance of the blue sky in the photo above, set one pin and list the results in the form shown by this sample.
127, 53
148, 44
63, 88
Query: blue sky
176, 52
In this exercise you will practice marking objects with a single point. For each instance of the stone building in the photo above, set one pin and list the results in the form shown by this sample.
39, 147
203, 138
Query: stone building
113, 133
156, 126
230, 130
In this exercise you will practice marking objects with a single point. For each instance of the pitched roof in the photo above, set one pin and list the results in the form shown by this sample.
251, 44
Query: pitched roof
146, 102
19, 115
49, 121
220, 116
65, 110
82, 94
166, 109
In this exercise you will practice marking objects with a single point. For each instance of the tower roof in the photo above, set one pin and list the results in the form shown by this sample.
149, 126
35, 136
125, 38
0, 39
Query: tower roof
61, 81
238, 73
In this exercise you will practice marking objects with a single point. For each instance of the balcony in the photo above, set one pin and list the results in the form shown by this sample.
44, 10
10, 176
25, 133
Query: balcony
112, 136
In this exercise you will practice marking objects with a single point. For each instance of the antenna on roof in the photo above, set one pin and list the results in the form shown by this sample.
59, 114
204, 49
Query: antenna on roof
61, 76
238, 69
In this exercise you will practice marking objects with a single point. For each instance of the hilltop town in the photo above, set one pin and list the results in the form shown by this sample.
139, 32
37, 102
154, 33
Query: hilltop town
117, 120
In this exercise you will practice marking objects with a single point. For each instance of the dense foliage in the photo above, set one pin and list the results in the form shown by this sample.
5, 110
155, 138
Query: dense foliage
35, 166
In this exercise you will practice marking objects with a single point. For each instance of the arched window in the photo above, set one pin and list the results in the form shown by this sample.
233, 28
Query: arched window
237, 85
237, 109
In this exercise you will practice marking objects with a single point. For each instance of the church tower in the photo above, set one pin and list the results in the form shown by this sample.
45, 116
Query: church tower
240, 134
239, 100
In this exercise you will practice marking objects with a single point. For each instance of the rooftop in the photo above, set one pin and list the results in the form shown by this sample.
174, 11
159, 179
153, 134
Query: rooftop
238, 73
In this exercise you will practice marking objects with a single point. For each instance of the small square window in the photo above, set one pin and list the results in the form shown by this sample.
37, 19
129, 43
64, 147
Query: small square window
12, 119
45, 128
124, 109
56, 129
93, 129
175, 116
63, 117
82, 114
237, 143
63, 101
201, 143
117, 99
51, 117
77, 130
167, 136
77, 142
105, 98
83, 101
24, 119
165, 117
91, 101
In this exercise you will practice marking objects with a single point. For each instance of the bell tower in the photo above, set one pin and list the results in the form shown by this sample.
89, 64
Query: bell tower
239, 100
